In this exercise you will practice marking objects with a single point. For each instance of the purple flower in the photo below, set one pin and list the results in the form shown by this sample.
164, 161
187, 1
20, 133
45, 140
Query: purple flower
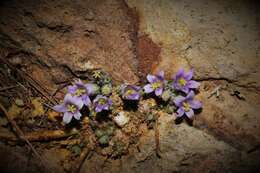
131, 92
82, 91
156, 83
183, 82
70, 107
186, 105
102, 103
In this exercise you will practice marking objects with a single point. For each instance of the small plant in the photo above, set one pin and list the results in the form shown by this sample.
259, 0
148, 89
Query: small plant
186, 105
70, 107
182, 81
82, 91
130, 92
177, 93
156, 83
102, 103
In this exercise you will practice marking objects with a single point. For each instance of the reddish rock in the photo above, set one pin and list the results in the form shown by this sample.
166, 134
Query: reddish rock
148, 55
75, 37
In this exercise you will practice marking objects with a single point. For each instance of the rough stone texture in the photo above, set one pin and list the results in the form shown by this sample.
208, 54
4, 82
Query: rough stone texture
19, 160
235, 120
186, 149
148, 55
219, 39
71, 37
183, 149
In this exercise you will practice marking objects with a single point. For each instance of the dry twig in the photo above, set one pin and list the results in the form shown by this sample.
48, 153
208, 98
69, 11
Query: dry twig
7, 88
34, 83
84, 154
19, 132
215, 91
47, 135
157, 139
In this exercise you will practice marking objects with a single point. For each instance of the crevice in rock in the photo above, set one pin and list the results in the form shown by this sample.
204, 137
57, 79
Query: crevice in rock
27, 55
220, 136
234, 82
68, 69
57, 27
7, 41
254, 149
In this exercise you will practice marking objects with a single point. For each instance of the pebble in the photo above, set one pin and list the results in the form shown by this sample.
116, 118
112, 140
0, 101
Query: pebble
121, 119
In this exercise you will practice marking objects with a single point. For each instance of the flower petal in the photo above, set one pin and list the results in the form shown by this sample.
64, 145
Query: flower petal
86, 100
134, 96
188, 75
193, 84
106, 107
190, 95
180, 112
151, 78
109, 102
185, 89
195, 104
67, 98
60, 108
79, 83
98, 108
179, 73
98, 97
148, 88
67, 117
90, 89
72, 89
161, 75
136, 88
178, 100
77, 115
190, 114
77, 101
176, 85
158, 91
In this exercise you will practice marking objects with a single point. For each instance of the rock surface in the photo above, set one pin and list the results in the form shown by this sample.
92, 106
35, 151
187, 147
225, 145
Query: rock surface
68, 38
218, 39
182, 149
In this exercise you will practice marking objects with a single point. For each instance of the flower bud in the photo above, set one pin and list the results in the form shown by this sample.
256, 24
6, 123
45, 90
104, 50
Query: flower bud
104, 140
166, 95
99, 133
96, 89
106, 89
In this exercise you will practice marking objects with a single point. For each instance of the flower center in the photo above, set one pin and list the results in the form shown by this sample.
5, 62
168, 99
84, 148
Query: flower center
129, 92
71, 108
80, 91
182, 82
156, 85
186, 106
102, 101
